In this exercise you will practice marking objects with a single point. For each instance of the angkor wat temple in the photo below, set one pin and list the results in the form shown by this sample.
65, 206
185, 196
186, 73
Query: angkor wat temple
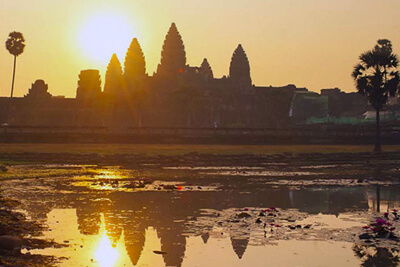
176, 95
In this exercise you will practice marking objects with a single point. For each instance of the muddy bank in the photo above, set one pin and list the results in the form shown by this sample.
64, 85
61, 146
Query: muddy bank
19, 235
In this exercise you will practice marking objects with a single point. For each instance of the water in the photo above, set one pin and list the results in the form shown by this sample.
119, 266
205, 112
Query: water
206, 216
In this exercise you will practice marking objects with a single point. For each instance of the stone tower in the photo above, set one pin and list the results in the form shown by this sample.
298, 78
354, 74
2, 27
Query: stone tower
173, 55
206, 71
114, 81
38, 91
89, 85
134, 66
239, 71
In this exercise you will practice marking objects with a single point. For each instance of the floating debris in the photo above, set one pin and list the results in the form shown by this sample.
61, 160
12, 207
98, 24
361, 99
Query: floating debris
159, 252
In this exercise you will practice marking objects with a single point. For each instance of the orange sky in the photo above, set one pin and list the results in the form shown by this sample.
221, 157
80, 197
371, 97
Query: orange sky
310, 43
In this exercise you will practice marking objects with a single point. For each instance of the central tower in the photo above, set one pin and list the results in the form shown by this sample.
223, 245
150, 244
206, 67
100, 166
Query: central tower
239, 70
173, 55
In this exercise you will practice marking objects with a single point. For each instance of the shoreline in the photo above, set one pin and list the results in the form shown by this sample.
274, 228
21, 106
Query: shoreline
179, 149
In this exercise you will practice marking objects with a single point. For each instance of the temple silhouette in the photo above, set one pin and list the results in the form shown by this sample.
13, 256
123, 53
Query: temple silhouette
176, 95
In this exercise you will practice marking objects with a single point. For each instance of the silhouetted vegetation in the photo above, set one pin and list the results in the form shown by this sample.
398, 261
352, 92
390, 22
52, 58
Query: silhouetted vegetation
377, 77
15, 44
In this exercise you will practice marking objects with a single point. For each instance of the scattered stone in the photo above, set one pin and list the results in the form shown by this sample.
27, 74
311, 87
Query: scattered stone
169, 187
258, 220
243, 215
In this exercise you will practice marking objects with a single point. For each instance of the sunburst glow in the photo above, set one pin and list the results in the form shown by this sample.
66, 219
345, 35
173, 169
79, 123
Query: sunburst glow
104, 34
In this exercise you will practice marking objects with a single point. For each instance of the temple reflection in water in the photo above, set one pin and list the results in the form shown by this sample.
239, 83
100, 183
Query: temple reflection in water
126, 218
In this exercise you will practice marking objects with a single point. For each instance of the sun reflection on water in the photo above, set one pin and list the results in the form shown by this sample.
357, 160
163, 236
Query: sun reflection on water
106, 255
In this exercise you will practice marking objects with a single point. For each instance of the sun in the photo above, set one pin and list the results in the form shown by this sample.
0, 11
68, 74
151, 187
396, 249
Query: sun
103, 34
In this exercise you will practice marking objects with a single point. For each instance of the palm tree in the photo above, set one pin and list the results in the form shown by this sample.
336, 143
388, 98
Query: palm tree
15, 44
377, 77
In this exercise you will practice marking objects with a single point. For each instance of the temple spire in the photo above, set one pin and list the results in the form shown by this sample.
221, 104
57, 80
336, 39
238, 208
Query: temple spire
134, 66
173, 55
206, 71
239, 71
114, 80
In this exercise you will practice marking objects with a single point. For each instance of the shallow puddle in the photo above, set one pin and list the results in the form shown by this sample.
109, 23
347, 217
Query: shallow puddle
115, 216
216, 249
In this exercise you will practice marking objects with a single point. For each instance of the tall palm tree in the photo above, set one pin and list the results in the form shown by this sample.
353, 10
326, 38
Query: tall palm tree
377, 77
15, 44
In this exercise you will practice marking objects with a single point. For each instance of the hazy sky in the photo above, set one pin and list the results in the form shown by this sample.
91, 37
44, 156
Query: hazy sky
309, 43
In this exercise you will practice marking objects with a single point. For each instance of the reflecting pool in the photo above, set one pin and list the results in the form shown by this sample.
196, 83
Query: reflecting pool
266, 215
